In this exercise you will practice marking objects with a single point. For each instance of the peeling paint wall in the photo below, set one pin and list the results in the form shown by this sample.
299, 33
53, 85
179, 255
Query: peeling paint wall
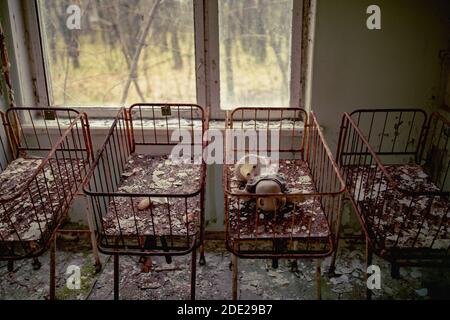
397, 66
12, 15
309, 15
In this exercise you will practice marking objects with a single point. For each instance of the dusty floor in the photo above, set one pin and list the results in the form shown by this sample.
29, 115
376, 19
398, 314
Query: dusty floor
257, 278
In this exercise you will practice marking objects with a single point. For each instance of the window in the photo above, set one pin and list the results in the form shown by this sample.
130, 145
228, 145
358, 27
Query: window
93, 65
217, 53
255, 52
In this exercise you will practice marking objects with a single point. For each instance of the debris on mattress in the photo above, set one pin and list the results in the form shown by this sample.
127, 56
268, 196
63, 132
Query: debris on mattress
34, 209
300, 219
405, 220
153, 214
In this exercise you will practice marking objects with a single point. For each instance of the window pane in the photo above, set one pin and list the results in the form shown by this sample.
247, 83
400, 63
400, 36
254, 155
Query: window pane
255, 51
91, 65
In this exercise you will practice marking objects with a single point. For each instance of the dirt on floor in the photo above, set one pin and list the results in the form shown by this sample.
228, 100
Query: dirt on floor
257, 278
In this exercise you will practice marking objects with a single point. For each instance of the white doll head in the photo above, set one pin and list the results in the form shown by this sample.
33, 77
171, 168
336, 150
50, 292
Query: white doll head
250, 166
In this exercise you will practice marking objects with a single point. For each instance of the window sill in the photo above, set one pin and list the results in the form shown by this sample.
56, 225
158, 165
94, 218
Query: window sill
102, 126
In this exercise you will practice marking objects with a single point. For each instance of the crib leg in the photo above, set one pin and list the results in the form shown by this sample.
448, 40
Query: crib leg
395, 271
202, 260
276, 249
147, 264
165, 248
36, 264
53, 269
116, 277
332, 269
294, 266
368, 263
318, 280
234, 289
97, 263
10, 266
275, 263
193, 273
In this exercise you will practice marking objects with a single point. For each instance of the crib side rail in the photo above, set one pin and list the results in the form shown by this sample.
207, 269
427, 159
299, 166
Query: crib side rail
34, 131
435, 152
47, 194
111, 159
164, 124
359, 163
107, 200
360, 166
400, 146
253, 232
286, 125
74, 145
379, 200
395, 135
325, 173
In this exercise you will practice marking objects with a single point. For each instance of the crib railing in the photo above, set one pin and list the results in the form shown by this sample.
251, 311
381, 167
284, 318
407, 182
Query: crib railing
154, 123
393, 134
62, 149
395, 217
298, 139
128, 132
435, 151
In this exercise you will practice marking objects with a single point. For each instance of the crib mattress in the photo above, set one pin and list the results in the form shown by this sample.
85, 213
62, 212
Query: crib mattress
404, 221
36, 211
302, 219
146, 174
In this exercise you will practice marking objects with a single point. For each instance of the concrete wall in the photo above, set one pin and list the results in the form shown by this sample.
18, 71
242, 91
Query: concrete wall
397, 66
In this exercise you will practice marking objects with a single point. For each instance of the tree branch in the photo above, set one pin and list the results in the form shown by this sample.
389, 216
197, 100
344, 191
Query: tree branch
137, 54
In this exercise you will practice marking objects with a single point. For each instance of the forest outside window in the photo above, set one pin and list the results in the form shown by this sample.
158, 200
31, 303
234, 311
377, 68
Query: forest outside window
111, 59
255, 52
129, 51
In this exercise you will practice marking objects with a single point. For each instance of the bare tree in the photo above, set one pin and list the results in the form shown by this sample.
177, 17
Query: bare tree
142, 39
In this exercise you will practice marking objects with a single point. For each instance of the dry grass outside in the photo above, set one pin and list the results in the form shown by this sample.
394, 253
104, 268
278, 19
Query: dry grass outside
103, 72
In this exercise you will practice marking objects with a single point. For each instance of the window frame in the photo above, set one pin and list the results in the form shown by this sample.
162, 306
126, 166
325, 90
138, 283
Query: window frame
207, 60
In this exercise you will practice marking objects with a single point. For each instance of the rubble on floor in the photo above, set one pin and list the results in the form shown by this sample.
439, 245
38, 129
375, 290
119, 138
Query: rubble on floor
257, 278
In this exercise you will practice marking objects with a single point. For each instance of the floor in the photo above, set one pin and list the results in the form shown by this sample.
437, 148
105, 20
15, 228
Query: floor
257, 278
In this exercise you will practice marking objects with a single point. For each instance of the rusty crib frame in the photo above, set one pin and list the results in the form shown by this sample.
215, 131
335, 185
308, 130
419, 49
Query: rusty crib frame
127, 133
372, 138
28, 133
329, 188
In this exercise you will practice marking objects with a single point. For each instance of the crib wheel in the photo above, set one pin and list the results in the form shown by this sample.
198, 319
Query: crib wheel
36, 264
